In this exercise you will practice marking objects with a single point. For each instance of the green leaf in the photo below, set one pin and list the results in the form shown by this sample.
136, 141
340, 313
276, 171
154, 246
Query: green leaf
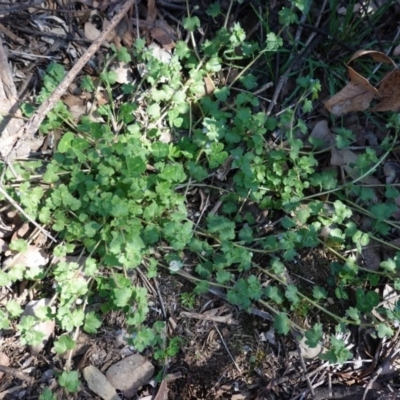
63, 344
274, 42
65, 143
222, 226
366, 301
123, 55
287, 16
319, 292
47, 395
191, 23
314, 335
223, 277
389, 265
384, 330
154, 111
14, 308
274, 294
173, 173
69, 381
92, 322
4, 322
18, 245
122, 296
198, 172
201, 287
213, 10
144, 338
337, 353
282, 323
87, 84
291, 294
354, 314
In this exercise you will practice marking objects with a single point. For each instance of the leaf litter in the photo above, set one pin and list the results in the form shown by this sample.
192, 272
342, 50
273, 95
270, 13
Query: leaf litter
358, 93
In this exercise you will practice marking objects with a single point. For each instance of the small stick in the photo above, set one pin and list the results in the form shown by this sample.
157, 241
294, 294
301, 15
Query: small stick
21, 210
18, 374
31, 127
227, 349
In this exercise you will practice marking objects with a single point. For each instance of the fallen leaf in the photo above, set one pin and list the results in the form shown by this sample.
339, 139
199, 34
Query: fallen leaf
352, 97
357, 79
371, 257
358, 93
389, 89
375, 55
99, 384
164, 34
76, 105
163, 390
391, 170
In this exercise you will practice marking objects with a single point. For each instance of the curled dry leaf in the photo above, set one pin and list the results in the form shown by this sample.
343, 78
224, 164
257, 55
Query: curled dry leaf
358, 94
375, 55
358, 79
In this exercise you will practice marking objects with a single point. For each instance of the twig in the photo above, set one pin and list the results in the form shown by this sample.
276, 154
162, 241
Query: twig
31, 127
227, 349
17, 374
303, 366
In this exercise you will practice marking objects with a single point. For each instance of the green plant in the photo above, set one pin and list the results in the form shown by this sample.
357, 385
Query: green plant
188, 299
120, 196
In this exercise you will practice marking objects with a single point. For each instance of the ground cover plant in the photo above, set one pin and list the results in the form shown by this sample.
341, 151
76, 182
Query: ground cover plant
193, 169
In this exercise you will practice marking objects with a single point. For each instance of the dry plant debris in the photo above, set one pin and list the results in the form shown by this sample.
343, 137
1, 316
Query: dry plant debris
358, 93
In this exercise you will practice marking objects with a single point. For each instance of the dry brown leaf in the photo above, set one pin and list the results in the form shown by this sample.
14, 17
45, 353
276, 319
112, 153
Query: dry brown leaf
357, 79
76, 105
352, 97
389, 89
163, 390
164, 34
375, 55
358, 94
